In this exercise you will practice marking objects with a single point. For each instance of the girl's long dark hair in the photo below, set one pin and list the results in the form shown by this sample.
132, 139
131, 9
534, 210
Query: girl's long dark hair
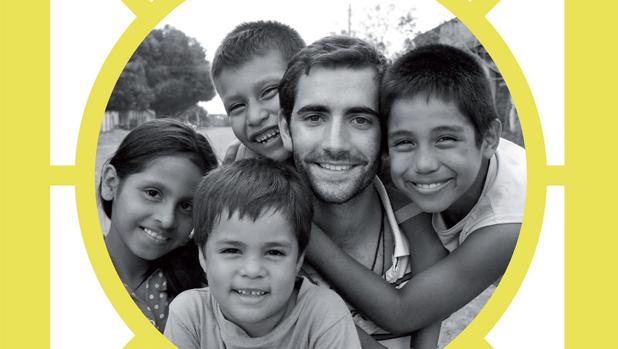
151, 140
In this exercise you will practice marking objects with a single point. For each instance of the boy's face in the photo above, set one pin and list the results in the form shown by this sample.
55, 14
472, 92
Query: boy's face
251, 98
334, 131
434, 157
251, 269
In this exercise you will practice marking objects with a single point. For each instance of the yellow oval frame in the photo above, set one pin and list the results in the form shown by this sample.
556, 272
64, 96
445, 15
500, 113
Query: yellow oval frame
148, 14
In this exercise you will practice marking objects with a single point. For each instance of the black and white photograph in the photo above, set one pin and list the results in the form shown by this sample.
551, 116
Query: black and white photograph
329, 175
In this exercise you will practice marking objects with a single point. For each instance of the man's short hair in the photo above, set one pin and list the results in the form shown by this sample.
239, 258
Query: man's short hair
252, 39
331, 52
444, 72
252, 187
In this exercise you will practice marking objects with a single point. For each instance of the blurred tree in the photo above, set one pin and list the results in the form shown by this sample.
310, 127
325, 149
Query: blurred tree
386, 26
168, 73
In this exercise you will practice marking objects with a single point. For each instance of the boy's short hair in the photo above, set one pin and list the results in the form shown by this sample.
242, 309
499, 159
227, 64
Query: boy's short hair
444, 72
252, 39
252, 187
331, 52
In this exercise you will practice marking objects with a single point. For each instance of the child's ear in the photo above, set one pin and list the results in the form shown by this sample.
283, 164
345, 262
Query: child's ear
492, 138
202, 259
300, 261
284, 130
109, 183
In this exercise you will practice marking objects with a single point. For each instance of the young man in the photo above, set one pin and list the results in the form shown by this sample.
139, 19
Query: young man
329, 121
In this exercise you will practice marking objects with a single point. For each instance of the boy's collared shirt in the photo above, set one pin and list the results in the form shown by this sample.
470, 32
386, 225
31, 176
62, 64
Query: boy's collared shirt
502, 198
398, 274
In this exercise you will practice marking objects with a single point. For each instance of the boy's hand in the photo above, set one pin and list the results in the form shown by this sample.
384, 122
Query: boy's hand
238, 151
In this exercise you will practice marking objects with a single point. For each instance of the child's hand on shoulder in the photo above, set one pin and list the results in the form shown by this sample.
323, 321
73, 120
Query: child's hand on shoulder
238, 151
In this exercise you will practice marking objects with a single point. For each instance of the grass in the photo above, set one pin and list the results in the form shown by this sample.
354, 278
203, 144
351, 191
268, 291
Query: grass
220, 138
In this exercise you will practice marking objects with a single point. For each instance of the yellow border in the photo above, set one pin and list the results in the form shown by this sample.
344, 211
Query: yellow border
471, 13
25, 175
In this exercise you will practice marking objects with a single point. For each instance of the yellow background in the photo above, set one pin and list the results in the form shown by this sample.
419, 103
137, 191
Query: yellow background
26, 176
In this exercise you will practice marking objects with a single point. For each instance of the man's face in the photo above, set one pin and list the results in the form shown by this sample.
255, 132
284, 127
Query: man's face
334, 131
251, 100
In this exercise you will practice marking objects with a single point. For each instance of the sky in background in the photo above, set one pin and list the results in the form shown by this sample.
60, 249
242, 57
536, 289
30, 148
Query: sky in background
209, 21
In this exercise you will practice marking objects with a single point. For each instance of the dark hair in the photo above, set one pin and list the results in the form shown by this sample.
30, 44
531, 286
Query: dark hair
330, 52
444, 72
147, 142
252, 39
251, 187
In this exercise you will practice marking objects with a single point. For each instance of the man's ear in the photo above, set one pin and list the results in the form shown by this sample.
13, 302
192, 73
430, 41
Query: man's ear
202, 259
492, 138
284, 130
109, 183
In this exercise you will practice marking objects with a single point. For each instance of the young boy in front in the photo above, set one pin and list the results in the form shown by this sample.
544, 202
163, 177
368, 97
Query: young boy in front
246, 70
252, 221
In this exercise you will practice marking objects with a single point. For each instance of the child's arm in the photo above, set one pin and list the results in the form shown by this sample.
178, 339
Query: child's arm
429, 296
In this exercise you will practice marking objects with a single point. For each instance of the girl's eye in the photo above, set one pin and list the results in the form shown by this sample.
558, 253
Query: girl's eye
230, 250
270, 92
152, 193
186, 206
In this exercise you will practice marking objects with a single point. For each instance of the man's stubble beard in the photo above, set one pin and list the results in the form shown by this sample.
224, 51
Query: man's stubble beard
324, 191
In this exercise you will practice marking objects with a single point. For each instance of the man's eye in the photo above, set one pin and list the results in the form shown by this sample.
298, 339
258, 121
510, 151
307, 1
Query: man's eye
270, 92
313, 117
360, 120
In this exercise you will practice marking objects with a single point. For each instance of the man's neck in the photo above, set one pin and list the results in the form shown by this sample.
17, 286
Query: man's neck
352, 223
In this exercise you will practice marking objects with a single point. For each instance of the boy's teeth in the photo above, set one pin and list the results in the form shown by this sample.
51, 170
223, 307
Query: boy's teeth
154, 235
267, 136
252, 293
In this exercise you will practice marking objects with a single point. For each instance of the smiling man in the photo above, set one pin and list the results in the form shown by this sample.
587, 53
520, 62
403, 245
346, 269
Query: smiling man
330, 122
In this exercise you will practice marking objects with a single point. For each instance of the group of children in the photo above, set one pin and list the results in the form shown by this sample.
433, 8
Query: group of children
233, 238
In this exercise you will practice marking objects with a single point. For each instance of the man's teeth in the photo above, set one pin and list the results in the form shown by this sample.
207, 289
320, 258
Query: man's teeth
267, 136
332, 167
253, 293
154, 235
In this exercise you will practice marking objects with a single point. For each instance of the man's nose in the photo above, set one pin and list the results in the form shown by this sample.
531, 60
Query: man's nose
336, 137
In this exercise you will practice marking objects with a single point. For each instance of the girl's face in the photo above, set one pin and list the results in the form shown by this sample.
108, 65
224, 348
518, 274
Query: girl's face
152, 209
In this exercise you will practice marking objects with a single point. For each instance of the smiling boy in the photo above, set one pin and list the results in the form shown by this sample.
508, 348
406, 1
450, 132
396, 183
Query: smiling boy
246, 70
252, 223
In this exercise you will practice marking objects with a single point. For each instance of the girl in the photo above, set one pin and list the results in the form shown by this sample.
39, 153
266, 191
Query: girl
146, 189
